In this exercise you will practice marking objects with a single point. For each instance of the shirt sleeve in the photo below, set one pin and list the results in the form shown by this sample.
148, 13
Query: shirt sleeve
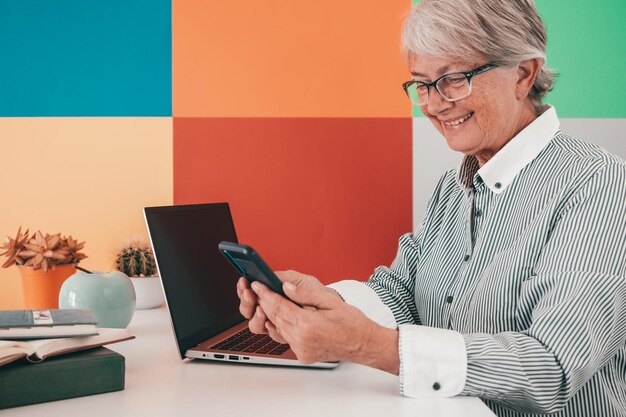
395, 285
575, 304
361, 296
432, 361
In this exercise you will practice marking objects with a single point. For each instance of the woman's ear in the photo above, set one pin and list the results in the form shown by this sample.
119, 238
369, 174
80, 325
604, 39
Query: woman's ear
527, 72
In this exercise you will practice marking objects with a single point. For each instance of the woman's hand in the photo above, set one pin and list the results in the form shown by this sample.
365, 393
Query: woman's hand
325, 328
250, 309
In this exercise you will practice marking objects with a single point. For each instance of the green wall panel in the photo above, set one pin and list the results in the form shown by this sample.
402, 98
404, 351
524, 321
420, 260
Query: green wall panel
586, 45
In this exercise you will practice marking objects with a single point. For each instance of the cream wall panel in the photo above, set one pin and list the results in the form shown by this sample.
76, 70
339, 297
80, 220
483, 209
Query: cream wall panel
89, 177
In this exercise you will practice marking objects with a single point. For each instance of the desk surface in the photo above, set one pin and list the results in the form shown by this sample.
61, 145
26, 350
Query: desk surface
158, 383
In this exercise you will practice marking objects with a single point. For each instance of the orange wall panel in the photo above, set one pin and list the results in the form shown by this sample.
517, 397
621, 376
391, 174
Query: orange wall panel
329, 197
280, 58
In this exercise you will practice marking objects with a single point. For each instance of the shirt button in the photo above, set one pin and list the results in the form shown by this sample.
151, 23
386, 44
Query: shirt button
478, 213
498, 185
449, 299
466, 258
436, 386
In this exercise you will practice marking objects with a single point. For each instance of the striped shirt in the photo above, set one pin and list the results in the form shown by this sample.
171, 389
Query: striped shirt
513, 289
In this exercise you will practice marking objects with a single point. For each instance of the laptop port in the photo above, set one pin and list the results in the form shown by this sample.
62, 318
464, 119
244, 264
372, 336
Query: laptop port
245, 357
233, 357
218, 356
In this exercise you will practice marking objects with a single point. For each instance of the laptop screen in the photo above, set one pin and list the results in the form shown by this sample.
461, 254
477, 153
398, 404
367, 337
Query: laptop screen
199, 284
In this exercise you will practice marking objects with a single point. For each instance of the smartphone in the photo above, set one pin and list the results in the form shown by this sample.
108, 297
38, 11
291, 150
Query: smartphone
250, 265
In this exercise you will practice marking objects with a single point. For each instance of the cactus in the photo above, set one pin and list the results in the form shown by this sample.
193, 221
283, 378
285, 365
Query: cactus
136, 260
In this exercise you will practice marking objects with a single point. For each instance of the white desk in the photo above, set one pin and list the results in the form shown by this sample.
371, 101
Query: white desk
158, 383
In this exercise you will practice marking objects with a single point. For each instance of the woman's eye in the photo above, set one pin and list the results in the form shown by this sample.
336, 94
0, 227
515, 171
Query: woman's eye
455, 79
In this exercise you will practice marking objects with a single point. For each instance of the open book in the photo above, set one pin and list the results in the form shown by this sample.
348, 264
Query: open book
38, 350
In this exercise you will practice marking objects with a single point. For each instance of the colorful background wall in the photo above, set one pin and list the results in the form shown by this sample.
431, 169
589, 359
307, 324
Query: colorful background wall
290, 111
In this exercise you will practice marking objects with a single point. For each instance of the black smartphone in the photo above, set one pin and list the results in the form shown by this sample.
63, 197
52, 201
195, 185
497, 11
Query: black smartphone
250, 265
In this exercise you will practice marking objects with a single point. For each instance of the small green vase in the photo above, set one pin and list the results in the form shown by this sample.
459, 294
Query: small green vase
110, 296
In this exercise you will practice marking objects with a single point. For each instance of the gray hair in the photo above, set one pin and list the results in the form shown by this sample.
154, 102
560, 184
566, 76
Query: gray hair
504, 32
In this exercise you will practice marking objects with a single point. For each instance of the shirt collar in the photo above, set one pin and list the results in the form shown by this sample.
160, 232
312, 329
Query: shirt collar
503, 167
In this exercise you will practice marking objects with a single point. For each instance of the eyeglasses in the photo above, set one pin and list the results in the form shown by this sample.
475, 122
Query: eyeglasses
452, 87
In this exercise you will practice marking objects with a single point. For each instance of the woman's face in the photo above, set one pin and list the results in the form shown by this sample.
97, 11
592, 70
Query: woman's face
482, 123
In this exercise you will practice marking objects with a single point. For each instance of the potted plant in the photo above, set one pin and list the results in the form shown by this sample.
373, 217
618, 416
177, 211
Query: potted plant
44, 262
136, 260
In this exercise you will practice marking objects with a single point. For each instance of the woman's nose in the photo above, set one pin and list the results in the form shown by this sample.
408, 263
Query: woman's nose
436, 103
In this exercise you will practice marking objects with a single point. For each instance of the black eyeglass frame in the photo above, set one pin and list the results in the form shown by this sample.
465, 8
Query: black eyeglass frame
468, 74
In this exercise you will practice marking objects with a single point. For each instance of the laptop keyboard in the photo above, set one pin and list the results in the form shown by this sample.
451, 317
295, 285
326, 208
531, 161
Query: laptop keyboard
246, 341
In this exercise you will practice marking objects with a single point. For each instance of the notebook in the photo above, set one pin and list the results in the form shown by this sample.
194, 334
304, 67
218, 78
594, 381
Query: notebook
200, 287
45, 324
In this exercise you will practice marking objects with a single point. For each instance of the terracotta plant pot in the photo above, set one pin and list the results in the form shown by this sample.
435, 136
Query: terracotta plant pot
41, 289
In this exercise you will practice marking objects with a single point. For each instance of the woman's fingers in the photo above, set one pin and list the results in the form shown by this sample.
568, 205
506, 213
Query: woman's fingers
257, 321
274, 332
247, 298
240, 286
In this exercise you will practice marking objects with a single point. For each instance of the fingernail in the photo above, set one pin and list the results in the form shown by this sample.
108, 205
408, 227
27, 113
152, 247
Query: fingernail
255, 286
289, 286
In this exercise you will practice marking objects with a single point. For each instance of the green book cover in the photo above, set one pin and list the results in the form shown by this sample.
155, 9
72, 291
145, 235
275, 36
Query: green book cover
72, 375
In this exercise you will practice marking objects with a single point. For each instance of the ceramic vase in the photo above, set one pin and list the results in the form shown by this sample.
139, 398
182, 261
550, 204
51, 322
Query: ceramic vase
110, 296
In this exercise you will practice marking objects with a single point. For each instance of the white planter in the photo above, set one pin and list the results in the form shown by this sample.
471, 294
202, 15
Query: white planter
149, 292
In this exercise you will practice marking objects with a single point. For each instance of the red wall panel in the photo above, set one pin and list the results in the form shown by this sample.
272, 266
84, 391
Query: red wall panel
328, 197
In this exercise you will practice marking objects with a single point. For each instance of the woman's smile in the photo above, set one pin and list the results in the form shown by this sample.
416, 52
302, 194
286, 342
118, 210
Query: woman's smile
456, 123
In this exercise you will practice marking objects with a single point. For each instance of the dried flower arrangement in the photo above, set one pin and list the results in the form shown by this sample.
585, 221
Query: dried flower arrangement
136, 259
41, 251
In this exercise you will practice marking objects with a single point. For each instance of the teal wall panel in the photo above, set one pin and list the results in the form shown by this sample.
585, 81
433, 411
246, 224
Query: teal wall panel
86, 58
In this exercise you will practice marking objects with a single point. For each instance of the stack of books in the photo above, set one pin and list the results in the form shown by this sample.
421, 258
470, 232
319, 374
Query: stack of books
48, 355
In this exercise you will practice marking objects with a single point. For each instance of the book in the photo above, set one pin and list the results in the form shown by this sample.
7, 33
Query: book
40, 349
76, 374
37, 324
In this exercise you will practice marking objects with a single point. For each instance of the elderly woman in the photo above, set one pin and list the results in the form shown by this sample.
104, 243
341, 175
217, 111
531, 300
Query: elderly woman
513, 289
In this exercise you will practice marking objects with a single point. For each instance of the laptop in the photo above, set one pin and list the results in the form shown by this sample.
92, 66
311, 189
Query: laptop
200, 288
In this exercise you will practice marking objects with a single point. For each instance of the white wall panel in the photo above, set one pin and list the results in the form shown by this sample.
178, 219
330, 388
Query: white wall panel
432, 157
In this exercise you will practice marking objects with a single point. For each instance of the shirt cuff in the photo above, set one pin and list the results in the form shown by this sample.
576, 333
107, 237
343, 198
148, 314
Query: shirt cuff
433, 362
364, 298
